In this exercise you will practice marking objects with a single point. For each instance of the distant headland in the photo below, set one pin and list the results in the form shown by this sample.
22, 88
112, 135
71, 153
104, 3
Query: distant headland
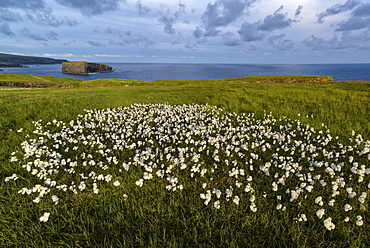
10, 60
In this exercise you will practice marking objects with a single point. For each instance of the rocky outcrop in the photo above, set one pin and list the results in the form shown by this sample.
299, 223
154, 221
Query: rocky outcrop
84, 68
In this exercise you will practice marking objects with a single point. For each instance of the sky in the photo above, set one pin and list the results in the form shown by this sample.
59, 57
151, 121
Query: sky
189, 31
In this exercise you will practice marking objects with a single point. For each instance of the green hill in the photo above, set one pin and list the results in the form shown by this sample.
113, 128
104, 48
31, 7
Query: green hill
9, 58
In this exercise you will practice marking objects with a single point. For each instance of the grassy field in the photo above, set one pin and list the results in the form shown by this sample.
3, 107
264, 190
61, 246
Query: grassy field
153, 216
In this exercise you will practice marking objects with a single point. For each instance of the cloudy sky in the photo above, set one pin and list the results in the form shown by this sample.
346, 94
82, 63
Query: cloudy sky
188, 31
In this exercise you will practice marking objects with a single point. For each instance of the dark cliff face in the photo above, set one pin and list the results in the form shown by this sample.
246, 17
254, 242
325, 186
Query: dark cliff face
84, 68
95, 67
9, 65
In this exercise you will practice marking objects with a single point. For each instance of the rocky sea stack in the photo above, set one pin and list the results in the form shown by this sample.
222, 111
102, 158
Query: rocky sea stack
84, 68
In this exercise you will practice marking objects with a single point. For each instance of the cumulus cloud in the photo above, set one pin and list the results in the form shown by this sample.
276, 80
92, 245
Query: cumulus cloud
317, 43
276, 21
26, 32
92, 7
362, 11
346, 41
120, 32
193, 47
229, 39
34, 11
251, 32
198, 32
24, 4
5, 29
180, 10
257, 31
95, 43
277, 41
360, 19
51, 35
142, 10
298, 11
169, 20
46, 18
354, 23
360, 41
9, 16
168, 23
338, 8
221, 14
127, 37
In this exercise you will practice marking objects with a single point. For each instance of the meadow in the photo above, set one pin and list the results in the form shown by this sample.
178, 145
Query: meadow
245, 162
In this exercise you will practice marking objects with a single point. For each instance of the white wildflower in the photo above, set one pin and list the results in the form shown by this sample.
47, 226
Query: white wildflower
302, 217
95, 188
55, 199
253, 207
229, 193
139, 182
45, 217
347, 207
328, 224
12, 177
359, 221
309, 188
236, 200
318, 199
320, 213
217, 192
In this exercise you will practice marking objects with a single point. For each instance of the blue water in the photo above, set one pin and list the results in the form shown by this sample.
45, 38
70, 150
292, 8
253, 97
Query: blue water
151, 72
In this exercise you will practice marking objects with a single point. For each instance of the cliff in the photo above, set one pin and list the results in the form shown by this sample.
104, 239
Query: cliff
84, 68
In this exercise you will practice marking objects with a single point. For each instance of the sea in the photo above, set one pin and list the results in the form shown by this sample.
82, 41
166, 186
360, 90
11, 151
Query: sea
152, 72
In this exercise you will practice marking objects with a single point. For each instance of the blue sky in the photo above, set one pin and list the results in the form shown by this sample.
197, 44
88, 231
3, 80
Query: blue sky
188, 31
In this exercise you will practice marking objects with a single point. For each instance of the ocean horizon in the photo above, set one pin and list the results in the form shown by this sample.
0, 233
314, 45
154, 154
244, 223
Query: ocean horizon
158, 71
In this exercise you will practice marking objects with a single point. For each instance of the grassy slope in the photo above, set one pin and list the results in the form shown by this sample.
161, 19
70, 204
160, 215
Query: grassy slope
28, 80
342, 105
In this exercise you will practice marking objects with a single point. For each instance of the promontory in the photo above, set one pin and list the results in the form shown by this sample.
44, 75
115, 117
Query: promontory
84, 68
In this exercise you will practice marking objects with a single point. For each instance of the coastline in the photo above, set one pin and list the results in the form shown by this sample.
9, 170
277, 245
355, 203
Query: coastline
160, 71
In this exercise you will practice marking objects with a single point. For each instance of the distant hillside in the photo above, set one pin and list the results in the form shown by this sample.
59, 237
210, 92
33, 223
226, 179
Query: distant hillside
9, 58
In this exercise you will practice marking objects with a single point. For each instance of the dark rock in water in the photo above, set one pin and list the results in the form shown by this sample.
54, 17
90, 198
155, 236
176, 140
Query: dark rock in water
9, 65
84, 68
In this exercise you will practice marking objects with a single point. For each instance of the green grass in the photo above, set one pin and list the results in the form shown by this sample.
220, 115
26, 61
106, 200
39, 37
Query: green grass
154, 217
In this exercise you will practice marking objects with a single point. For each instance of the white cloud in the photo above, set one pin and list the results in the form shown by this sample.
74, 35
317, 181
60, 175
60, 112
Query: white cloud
58, 55
119, 55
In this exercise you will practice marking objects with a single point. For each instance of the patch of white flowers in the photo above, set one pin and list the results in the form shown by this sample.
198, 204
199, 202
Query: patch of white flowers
227, 159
